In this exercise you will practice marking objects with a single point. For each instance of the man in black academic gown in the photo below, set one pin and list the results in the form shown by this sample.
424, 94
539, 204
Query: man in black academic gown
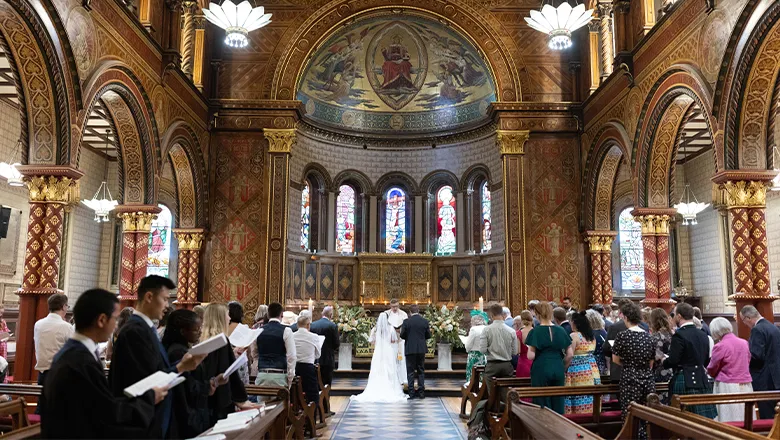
76, 401
139, 353
764, 356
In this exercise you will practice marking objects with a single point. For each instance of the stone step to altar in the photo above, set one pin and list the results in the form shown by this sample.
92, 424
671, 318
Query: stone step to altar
434, 386
360, 372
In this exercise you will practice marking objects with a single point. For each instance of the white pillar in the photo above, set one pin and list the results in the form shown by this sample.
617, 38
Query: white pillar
332, 221
419, 236
373, 220
460, 222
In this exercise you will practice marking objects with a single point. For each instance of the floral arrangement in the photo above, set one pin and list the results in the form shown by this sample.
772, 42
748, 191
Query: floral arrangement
353, 324
445, 324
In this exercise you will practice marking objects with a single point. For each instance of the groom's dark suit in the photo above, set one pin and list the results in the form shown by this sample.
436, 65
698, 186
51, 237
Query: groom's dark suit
415, 330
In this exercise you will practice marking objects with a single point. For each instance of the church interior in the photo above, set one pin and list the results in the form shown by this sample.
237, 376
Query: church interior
455, 153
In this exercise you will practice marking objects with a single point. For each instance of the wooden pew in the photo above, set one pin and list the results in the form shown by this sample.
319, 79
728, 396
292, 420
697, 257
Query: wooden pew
20, 428
301, 412
281, 395
473, 391
268, 423
323, 402
748, 399
529, 421
653, 401
29, 391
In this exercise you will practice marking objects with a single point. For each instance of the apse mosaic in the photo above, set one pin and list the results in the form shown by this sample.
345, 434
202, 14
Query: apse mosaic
159, 255
387, 74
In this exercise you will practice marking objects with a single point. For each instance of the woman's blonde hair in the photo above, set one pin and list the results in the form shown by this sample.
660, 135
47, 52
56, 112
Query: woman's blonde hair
544, 311
526, 318
214, 321
595, 320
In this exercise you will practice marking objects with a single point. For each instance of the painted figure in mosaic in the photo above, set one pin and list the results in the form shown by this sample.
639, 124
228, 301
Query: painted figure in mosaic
446, 242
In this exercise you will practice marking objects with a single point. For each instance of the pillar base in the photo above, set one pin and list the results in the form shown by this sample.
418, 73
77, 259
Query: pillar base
763, 303
664, 303
189, 305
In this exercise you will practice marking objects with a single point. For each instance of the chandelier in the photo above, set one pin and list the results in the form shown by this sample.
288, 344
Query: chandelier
102, 202
688, 209
237, 20
776, 166
558, 23
10, 171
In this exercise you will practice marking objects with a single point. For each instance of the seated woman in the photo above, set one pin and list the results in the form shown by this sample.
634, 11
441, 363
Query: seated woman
475, 357
730, 367
582, 369
547, 344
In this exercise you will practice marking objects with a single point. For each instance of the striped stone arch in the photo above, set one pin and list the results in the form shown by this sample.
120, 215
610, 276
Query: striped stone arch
180, 146
608, 149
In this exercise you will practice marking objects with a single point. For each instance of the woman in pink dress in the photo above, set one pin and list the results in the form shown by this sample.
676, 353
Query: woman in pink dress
523, 363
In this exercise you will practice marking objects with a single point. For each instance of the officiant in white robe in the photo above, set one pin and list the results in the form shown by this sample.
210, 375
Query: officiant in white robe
396, 317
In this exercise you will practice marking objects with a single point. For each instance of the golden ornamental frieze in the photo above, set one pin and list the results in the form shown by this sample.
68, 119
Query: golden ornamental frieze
189, 239
52, 189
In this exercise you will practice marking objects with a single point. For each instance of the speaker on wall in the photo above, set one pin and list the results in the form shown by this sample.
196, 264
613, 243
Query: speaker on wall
5, 218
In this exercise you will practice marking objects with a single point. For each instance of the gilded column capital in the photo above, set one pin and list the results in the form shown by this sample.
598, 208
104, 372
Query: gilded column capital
600, 241
137, 218
280, 140
511, 142
53, 189
653, 224
744, 193
189, 239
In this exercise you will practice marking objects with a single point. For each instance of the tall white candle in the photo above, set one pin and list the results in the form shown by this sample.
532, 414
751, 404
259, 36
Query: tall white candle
428, 289
481, 304
364, 288
311, 305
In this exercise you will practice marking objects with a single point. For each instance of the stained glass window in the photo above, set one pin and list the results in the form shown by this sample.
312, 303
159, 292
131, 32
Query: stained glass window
395, 221
159, 256
632, 260
445, 221
487, 231
345, 219
305, 216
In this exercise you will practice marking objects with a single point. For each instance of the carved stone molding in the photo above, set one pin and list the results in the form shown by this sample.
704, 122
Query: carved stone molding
511, 142
137, 218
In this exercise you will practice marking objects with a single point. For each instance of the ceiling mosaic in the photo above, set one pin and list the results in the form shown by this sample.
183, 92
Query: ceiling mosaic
397, 74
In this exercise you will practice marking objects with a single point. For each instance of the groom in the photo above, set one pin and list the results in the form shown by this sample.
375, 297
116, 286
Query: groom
415, 331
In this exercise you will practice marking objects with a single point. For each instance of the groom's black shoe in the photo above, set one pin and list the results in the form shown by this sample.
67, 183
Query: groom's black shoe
421, 395
412, 395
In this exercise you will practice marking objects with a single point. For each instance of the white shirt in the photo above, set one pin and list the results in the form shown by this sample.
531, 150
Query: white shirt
308, 346
396, 318
472, 341
144, 317
89, 343
50, 334
289, 345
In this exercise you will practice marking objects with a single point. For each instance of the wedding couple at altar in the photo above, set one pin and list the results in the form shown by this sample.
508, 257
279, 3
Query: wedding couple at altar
400, 345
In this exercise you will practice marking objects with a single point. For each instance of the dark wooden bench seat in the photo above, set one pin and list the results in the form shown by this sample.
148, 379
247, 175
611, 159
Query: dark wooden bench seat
748, 399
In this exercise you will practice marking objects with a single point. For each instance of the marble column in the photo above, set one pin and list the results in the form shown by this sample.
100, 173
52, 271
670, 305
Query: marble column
511, 144
190, 241
280, 143
655, 241
605, 33
600, 249
593, 51
744, 193
189, 9
51, 190
136, 225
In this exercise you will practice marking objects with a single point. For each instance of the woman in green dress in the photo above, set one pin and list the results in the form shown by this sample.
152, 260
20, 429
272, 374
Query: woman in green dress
476, 357
549, 347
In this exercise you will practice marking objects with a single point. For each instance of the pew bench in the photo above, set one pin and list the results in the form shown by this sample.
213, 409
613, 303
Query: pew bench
323, 402
282, 428
529, 421
268, 423
16, 425
748, 399
33, 391
653, 401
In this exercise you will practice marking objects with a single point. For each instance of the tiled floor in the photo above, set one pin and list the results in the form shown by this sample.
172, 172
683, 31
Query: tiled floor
431, 384
432, 418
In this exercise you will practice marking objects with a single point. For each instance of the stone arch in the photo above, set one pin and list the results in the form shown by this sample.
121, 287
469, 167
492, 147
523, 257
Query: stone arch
659, 122
475, 176
180, 145
319, 174
353, 177
280, 80
611, 135
405, 181
137, 137
438, 178
602, 195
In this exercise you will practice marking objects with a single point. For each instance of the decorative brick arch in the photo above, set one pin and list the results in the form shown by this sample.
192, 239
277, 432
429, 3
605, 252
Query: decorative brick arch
186, 199
436, 179
180, 145
358, 178
605, 185
481, 28
611, 142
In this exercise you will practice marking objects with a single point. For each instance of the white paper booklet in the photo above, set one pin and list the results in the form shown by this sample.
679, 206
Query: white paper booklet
156, 379
236, 365
243, 336
209, 345
463, 339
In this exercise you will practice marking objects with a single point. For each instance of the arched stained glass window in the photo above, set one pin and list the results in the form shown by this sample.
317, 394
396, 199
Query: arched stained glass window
305, 216
445, 221
487, 221
345, 219
632, 261
395, 221
159, 256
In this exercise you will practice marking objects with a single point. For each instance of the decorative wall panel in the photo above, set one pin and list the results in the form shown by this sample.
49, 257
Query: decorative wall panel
445, 284
327, 282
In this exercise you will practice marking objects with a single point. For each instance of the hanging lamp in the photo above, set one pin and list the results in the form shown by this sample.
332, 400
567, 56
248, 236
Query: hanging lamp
237, 20
559, 22
689, 209
102, 202
10, 171
775, 166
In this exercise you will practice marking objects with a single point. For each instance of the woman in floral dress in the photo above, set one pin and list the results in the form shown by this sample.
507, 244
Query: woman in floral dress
661, 332
583, 369
476, 357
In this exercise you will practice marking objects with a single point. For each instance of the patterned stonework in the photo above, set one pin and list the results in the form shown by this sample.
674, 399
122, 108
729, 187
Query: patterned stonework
136, 224
662, 151
604, 186
600, 248
185, 187
655, 241
131, 149
189, 241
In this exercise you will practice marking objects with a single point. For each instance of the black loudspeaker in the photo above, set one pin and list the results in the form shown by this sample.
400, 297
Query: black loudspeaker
5, 218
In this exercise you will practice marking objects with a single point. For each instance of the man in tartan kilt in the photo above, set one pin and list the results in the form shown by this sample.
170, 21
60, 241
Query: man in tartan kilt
689, 353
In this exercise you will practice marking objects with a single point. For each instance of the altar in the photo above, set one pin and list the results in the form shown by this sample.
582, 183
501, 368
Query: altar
405, 277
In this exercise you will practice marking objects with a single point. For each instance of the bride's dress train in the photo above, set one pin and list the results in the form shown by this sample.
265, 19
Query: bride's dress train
383, 384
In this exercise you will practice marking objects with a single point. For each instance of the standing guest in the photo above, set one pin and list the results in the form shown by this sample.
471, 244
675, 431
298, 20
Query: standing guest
289, 318
50, 334
3, 329
634, 350
616, 328
600, 336
508, 319
523, 363
294, 325
191, 398
77, 401
698, 324
261, 316
415, 331
475, 357
124, 315
559, 313
163, 322
532, 308
606, 312
308, 349
225, 398
275, 351
199, 310
139, 353
730, 366
499, 343
549, 348
236, 313
661, 332
704, 326
764, 356
582, 369
326, 327
688, 356
566, 304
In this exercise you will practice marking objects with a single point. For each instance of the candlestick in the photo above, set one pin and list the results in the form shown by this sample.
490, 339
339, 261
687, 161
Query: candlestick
415, 302
311, 305
372, 302
403, 302
481, 304
364, 288
428, 289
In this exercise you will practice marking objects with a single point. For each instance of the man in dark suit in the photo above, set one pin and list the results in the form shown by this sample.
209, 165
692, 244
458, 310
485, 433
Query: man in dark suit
559, 314
76, 401
615, 370
326, 327
139, 353
415, 331
764, 356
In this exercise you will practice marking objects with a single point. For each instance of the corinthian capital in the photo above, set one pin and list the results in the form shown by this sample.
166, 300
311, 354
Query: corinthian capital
280, 140
511, 141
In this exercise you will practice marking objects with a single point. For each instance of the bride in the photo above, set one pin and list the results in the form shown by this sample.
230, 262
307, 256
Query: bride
383, 384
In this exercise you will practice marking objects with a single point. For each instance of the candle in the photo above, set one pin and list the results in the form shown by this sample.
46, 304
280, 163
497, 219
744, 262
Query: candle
428, 289
385, 302
403, 303
364, 288
311, 305
415, 302
481, 304
372, 302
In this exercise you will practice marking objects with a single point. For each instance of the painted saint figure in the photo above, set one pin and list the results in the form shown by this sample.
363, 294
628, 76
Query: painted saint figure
395, 222
446, 223
396, 69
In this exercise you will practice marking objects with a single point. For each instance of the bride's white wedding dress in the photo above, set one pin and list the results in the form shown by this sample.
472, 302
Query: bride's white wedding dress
383, 384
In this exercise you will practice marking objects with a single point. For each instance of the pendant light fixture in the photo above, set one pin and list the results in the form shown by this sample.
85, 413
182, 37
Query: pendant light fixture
10, 171
237, 20
776, 167
559, 22
689, 209
102, 202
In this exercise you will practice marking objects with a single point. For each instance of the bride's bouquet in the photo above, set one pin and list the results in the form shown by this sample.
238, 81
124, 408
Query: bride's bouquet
353, 324
445, 324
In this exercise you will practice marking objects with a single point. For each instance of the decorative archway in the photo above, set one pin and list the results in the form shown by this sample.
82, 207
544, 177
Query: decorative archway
180, 145
612, 135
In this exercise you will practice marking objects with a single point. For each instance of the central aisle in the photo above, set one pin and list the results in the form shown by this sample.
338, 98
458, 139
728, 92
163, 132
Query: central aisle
430, 418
